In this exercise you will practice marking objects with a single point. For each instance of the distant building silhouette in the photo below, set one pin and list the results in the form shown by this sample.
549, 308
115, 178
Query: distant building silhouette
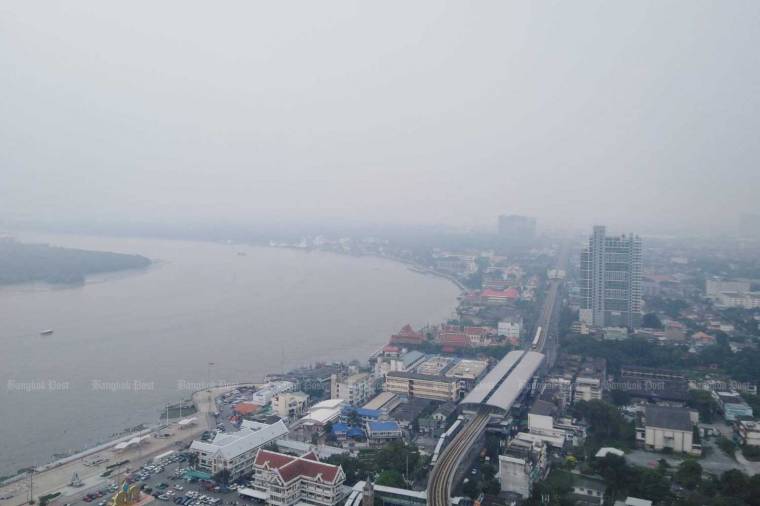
517, 230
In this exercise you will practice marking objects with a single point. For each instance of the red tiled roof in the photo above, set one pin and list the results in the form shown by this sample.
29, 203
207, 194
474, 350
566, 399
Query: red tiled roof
391, 349
310, 456
509, 293
290, 468
455, 340
479, 331
310, 468
407, 335
273, 459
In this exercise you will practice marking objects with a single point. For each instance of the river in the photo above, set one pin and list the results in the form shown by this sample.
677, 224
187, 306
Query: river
127, 343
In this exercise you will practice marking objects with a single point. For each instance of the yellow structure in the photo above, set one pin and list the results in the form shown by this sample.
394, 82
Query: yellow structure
127, 495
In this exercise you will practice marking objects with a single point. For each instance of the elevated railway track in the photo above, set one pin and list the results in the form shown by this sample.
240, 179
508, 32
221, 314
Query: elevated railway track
495, 393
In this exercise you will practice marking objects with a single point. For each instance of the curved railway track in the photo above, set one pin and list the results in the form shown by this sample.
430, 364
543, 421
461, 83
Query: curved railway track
442, 475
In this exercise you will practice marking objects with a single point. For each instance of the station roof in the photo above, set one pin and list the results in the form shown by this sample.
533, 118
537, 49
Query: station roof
506, 394
483, 389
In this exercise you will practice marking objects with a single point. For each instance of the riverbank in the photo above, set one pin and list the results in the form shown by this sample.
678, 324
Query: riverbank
90, 464
412, 266
203, 302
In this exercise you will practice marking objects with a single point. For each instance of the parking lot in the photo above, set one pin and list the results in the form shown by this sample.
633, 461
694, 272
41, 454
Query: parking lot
163, 480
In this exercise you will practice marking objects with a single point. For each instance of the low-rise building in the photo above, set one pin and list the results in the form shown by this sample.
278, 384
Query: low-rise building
381, 432
590, 380
498, 297
669, 427
384, 401
510, 328
633, 501
714, 287
615, 333
749, 300
588, 490
748, 432
522, 464
236, 452
263, 396
290, 405
733, 406
411, 385
467, 371
284, 480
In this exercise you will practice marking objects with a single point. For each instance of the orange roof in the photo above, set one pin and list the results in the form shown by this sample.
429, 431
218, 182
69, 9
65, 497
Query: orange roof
246, 408
509, 293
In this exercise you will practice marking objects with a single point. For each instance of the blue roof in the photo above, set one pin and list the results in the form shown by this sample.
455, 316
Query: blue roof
347, 430
383, 426
355, 432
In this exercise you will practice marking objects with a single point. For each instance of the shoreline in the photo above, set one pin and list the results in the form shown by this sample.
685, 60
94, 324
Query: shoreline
157, 424
57, 473
412, 266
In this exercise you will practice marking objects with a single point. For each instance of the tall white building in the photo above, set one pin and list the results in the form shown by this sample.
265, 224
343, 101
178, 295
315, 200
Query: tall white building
611, 280
355, 388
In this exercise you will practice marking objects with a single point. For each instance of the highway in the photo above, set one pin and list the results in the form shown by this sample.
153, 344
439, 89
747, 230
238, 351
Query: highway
442, 474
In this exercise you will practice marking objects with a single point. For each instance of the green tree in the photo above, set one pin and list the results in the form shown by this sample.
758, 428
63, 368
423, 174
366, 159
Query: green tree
391, 478
733, 483
651, 321
653, 486
470, 489
689, 474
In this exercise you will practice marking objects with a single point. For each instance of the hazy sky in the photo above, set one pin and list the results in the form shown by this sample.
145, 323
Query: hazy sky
613, 112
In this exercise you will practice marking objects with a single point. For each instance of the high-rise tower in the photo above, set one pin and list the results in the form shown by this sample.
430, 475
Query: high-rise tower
611, 280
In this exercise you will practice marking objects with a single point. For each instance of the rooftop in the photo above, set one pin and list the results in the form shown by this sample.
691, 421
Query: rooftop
290, 468
231, 445
665, 417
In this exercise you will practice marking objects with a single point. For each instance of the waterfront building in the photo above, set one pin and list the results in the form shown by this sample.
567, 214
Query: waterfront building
407, 336
236, 452
611, 280
354, 388
284, 480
